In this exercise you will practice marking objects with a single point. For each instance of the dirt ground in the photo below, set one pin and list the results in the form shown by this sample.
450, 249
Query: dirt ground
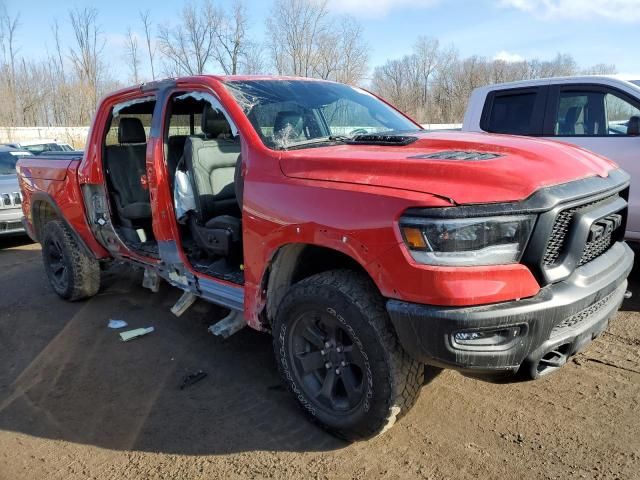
75, 402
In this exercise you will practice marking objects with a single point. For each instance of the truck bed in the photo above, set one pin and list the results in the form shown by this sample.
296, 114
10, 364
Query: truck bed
50, 187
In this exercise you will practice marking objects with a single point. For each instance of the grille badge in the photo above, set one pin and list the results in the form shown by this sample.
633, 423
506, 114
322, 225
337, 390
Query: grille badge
604, 227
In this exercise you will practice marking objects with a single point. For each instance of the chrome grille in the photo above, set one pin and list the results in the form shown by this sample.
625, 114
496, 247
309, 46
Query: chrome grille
8, 226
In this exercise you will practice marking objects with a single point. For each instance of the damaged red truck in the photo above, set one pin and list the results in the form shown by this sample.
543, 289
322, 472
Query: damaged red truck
320, 214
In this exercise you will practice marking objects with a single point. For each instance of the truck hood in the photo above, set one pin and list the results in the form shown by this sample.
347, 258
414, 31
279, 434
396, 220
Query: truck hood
521, 166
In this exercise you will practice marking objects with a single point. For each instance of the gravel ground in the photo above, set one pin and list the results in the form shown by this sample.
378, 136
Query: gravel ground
75, 402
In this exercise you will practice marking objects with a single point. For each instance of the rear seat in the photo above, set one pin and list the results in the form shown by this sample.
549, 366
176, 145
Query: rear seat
175, 147
126, 164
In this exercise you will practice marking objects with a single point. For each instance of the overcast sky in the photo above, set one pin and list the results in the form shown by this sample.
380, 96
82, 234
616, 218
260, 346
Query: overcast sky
593, 31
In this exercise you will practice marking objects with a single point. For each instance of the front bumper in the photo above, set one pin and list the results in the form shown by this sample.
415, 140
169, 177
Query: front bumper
11, 222
548, 328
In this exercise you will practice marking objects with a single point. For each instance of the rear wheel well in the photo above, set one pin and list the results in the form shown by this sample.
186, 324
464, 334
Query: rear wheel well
295, 262
41, 213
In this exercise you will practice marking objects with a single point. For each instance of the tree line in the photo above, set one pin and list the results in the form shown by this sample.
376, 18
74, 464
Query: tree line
433, 83
302, 38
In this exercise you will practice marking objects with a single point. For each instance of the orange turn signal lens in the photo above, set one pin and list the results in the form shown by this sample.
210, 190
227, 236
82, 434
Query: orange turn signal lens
414, 238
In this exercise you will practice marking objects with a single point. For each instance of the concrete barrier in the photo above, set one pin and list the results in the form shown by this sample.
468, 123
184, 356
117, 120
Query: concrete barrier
74, 136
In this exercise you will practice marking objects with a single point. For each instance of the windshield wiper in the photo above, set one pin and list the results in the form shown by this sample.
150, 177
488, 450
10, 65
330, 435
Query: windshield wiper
316, 141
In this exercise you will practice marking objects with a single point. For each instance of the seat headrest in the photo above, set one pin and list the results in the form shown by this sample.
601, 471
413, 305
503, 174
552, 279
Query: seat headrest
288, 124
572, 115
633, 127
130, 130
214, 123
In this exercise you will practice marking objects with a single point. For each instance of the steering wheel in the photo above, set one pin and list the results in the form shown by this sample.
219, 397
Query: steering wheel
358, 131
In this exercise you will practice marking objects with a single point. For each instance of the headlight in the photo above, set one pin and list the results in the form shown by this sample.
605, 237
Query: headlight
468, 241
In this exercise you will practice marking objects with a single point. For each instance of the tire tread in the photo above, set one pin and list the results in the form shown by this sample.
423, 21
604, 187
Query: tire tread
84, 277
406, 374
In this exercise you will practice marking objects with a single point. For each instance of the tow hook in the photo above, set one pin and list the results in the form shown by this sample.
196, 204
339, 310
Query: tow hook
628, 294
549, 361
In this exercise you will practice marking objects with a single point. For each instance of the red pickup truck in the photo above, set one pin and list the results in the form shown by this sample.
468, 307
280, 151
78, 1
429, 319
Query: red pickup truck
367, 247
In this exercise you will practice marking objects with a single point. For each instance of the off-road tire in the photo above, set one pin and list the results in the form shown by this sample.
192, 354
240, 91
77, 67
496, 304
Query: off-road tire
393, 379
80, 274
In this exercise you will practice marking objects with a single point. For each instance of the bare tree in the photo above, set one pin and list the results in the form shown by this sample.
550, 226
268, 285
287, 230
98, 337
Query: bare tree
189, 47
56, 79
426, 62
390, 81
294, 28
9, 26
86, 55
253, 61
8, 29
600, 69
433, 84
132, 55
354, 52
231, 35
55, 29
305, 40
341, 53
145, 17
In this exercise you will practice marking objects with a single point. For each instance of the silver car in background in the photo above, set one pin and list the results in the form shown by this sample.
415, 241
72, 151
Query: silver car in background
10, 196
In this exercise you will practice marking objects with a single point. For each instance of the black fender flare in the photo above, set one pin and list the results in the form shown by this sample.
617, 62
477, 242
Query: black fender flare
35, 233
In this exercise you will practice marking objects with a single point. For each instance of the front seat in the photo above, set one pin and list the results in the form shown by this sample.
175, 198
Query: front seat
633, 127
216, 225
570, 126
126, 165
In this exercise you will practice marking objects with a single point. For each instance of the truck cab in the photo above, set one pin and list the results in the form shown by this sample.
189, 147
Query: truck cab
317, 213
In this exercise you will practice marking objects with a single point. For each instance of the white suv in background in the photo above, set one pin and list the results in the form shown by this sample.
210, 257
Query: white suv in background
599, 113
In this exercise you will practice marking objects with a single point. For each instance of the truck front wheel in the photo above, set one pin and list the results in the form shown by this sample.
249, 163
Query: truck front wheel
338, 353
72, 273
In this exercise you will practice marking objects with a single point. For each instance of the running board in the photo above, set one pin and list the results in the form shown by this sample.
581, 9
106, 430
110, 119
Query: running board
232, 323
231, 297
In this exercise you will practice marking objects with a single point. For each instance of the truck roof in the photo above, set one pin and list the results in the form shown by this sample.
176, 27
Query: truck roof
628, 80
241, 78
220, 78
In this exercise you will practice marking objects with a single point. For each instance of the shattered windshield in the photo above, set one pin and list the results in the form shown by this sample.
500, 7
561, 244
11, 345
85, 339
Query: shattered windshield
304, 113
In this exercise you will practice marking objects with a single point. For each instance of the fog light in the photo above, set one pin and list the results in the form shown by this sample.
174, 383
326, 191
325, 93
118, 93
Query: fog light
486, 338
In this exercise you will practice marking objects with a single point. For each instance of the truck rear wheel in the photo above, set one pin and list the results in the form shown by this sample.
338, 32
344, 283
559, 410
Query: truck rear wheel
338, 353
72, 273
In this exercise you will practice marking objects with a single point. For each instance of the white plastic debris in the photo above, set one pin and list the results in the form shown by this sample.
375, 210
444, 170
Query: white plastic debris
138, 332
184, 199
115, 324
